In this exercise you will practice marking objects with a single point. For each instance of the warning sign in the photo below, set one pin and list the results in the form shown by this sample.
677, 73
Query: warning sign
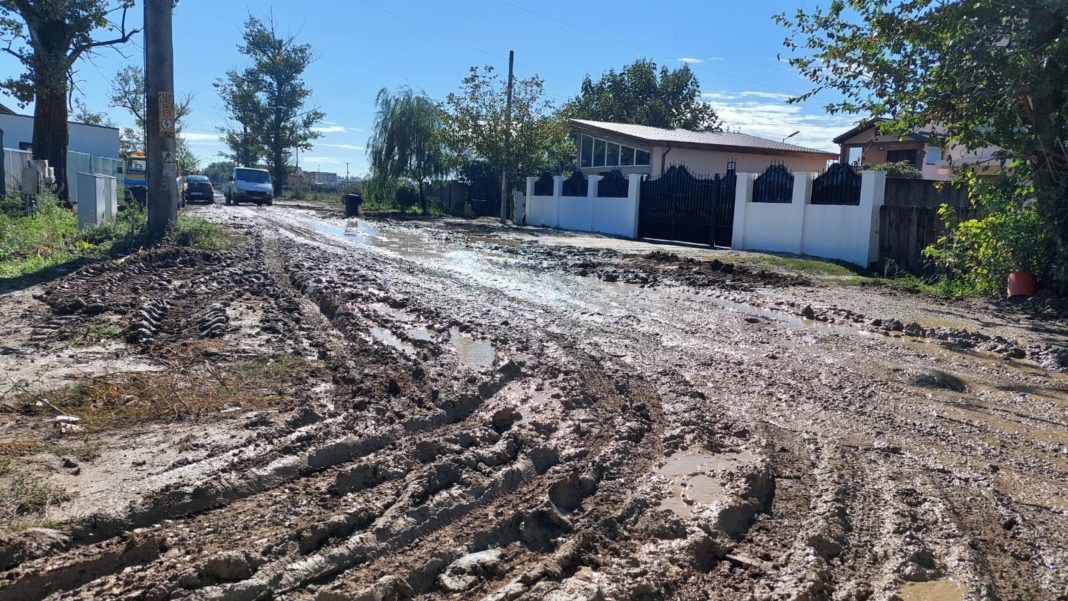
168, 157
166, 114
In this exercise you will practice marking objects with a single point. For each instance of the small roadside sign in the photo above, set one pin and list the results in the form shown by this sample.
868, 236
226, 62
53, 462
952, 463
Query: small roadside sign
166, 114
168, 157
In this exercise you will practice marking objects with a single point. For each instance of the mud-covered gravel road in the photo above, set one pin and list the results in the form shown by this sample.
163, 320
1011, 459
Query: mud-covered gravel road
460, 410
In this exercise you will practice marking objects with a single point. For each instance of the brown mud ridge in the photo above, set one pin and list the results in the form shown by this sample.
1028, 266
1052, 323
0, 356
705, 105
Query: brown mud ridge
325, 413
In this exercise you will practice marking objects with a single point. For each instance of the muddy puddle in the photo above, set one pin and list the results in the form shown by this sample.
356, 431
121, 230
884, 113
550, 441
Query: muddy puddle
472, 352
935, 590
696, 479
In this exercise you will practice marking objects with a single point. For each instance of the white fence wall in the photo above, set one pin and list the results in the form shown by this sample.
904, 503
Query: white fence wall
77, 162
590, 213
843, 232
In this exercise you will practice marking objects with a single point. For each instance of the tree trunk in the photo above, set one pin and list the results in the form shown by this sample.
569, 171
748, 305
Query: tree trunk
422, 198
50, 136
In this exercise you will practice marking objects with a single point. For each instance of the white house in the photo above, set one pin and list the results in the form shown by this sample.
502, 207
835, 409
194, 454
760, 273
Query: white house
95, 140
604, 146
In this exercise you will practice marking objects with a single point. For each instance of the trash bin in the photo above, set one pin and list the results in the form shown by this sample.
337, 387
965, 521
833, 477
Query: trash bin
352, 205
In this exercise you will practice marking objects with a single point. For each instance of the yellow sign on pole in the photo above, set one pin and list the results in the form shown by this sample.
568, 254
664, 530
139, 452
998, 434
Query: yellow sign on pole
166, 114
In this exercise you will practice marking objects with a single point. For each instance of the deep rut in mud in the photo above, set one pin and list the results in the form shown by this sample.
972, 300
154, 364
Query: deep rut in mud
472, 414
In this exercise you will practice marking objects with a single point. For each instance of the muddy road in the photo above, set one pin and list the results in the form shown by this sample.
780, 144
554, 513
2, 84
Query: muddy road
458, 410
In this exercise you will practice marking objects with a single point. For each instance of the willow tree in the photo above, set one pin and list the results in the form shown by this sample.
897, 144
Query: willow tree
48, 37
983, 72
407, 141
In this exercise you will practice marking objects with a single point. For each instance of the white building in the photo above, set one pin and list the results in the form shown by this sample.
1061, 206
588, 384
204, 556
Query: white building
95, 140
604, 147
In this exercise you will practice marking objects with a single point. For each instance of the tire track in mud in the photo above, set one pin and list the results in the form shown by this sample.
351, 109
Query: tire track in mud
544, 474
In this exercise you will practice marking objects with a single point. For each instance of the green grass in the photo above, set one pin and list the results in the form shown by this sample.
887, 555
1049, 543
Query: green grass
36, 244
806, 265
845, 274
199, 233
103, 332
25, 498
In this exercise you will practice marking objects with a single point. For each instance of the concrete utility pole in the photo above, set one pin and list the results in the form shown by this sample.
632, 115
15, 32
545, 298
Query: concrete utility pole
160, 117
507, 140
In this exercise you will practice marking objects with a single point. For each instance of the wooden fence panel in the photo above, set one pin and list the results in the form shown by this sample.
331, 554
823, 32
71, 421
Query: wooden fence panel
909, 220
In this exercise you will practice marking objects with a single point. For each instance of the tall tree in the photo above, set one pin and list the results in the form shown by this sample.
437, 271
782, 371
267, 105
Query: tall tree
242, 136
128, 92
985, 72
477, 125
48, 37
268, 98
644, 95
408, 140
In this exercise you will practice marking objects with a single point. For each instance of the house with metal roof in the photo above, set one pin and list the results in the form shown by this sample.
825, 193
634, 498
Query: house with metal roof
604, 147
866, 144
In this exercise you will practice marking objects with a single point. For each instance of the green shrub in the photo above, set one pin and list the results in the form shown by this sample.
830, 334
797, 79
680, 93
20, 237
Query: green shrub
900, 169
978, 253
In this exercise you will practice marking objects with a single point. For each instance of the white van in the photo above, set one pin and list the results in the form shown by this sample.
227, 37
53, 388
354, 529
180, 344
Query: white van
250, 185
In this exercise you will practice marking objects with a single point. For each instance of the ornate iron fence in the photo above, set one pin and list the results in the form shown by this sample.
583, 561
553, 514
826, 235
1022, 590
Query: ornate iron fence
839, 185
679, 206
776, 184
576, 185
544, 185
613, 185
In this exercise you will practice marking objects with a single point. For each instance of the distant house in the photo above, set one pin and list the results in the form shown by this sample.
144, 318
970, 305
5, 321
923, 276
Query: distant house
95, 140
604, 146
866, 145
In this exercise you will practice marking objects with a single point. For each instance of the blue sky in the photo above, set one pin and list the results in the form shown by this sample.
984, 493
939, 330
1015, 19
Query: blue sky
364, 45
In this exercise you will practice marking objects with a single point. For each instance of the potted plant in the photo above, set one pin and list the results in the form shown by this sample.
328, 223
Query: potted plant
1025, 244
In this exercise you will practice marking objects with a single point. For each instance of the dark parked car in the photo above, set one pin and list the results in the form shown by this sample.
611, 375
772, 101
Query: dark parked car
197, 187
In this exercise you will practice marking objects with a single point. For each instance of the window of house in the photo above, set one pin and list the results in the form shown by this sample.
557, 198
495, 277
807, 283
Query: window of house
934, 156
596, 152
587, 151
613, 155
901, 156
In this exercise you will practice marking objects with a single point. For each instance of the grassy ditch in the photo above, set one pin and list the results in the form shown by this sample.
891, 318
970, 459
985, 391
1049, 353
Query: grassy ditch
33, 246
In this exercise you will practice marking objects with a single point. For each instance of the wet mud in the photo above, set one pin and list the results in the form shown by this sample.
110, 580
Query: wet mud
446, 410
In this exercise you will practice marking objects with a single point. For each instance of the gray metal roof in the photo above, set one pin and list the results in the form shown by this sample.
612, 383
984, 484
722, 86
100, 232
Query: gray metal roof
709, 139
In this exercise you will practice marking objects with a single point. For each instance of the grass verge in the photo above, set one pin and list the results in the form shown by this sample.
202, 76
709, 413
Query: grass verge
197, 232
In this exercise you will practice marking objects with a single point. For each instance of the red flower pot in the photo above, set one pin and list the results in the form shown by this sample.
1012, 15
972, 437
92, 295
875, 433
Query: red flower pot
1021, 283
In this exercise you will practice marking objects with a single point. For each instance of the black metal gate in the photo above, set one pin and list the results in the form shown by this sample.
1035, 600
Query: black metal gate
681, 207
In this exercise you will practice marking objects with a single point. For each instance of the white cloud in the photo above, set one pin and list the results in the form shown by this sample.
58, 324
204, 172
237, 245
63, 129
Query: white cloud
329, 127
772, 118
340, 146
690, 61
199, 137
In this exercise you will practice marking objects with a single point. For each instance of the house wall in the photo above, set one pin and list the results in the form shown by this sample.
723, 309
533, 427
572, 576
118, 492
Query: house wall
846, 233
590, 213
89, 139
711, 162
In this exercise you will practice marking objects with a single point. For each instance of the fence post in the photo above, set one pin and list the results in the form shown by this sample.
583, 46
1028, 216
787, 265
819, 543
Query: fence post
799, 205
533, 212
872, 197
634, 187
3, 170
743, 195
591, 199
